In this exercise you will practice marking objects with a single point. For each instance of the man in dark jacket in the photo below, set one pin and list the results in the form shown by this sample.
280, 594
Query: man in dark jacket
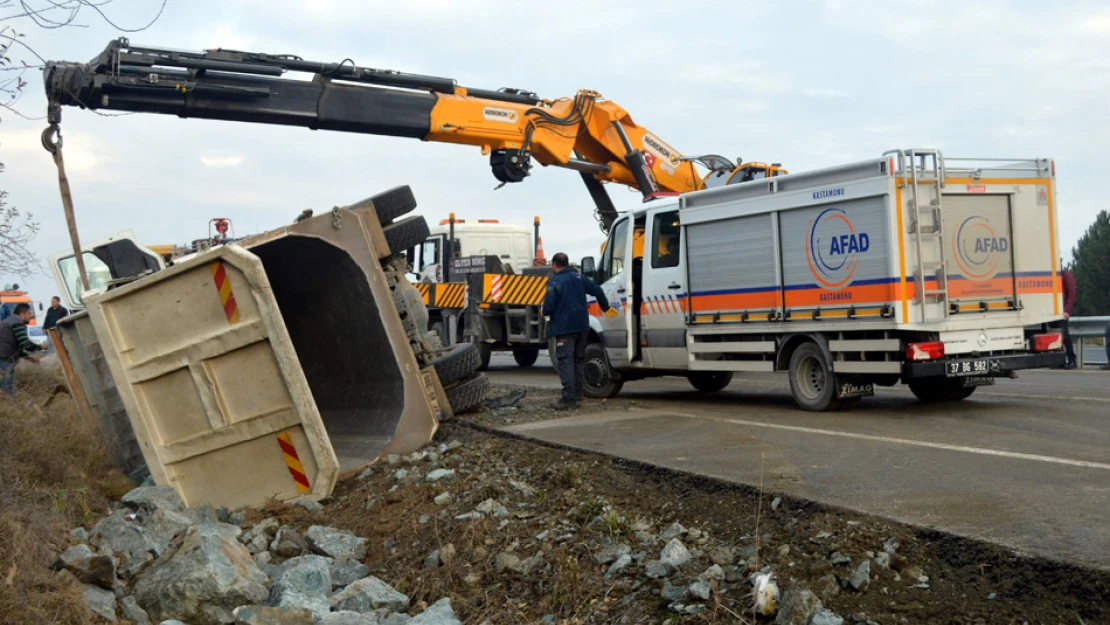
14, 344
56, 313
565, 305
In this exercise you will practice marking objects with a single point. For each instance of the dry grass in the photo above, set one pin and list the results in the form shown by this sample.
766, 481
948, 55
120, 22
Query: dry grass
55, 474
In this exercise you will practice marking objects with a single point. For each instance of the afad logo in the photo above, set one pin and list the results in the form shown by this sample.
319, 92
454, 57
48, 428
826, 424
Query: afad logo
833, 248
978, 248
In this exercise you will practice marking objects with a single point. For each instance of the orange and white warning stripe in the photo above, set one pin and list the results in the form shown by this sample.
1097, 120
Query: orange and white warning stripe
495, 288
223, 287
293, 461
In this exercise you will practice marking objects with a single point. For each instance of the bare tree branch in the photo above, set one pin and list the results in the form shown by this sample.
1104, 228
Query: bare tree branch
17, 230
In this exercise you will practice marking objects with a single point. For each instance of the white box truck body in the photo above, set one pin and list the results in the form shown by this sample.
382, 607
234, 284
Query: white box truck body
942, 274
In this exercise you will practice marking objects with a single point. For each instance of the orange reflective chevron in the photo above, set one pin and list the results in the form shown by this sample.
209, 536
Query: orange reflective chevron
223, 287
449, 295
293, 461
423, 287
514, 290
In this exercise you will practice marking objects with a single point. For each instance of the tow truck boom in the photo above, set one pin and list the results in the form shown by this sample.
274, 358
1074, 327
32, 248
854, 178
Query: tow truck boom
586, 133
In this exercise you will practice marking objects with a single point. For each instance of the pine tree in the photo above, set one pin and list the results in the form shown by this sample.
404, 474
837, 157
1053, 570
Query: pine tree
1091, 268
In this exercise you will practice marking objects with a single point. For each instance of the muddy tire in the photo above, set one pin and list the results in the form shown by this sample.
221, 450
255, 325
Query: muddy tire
526, 357
391, 204
940, 389
710, 381
457, 363
599, 382
406, 233
812, 381
469, 394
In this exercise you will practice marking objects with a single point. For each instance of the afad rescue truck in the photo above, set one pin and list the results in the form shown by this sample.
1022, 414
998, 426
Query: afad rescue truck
909, 268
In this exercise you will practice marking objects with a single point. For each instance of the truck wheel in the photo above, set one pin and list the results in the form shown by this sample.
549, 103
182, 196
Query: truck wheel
457, 363
406, 233
391, 204
526, 357
469, 394
599, 382
485, 352
940, 389
710, 381
812, 381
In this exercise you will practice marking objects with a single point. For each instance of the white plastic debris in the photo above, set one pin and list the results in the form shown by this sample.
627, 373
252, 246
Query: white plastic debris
766, 594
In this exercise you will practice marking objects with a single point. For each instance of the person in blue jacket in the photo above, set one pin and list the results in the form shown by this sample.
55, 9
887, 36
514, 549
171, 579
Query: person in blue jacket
569, 324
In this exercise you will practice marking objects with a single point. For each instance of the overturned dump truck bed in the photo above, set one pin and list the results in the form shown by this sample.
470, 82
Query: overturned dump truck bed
262, 369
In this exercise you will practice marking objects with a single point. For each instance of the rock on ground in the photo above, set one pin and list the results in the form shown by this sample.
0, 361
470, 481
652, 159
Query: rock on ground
675, 554
120, 535
439, 613
369, 594
259, 537
335, 543
101, 601
87, 566
655, 569
700, 589
347, 617
612, 553
288, 543
130, 610
672, 593
824, 617
796, 605
153, 498
861, 577
344, 572
305, 584
204, 576
260, 615
620, 566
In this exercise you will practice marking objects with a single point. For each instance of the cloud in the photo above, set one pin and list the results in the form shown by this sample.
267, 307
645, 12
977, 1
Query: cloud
1098, 25
223, 161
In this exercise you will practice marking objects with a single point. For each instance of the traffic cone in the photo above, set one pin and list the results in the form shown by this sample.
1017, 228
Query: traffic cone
540, 260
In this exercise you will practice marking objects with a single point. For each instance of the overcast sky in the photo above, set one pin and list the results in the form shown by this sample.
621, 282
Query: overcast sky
807, 84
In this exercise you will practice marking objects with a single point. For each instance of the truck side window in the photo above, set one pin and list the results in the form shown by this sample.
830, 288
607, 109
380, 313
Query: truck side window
665, 240
612, 262
429, 253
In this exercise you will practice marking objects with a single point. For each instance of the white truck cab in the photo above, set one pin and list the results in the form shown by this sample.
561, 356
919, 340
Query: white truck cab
938, 273
511, 244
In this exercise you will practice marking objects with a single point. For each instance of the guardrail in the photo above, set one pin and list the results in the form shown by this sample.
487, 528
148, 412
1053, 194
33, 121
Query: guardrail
1085, 328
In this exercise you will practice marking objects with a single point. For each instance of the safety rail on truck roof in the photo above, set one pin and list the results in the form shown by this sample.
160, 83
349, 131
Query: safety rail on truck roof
1012, 167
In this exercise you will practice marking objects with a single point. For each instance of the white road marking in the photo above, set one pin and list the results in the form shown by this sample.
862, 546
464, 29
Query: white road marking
914, 443
1105, 400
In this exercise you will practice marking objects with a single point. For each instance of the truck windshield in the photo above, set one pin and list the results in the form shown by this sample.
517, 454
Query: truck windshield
98, 273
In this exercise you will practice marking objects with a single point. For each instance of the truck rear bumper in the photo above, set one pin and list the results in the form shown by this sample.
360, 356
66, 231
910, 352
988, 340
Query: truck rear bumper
984, 366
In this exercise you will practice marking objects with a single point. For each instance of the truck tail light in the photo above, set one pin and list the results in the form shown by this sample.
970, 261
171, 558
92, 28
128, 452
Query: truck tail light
925, 351
1048, 342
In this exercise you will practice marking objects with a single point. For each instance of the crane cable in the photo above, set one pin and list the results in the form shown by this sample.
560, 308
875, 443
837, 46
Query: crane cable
52, 131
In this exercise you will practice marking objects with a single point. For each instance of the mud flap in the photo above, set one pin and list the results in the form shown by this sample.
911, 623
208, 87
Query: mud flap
850, 390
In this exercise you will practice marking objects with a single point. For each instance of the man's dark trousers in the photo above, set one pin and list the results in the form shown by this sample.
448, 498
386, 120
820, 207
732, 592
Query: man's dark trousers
570, 358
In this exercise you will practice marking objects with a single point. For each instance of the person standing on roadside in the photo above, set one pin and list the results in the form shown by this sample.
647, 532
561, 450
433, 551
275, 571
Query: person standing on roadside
14, 344
565, 305
55, 313
1068, 281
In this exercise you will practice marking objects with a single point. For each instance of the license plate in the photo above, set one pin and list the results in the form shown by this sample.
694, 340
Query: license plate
848, 390
963, 368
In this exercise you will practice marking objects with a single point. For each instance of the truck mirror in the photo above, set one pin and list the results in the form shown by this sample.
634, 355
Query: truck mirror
40, 306
589, 268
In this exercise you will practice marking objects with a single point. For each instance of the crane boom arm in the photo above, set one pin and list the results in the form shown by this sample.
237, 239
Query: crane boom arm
586, 133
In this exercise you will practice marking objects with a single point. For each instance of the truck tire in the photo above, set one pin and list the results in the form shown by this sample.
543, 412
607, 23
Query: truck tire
710, 381
940, 389
391, 204
468, 394
457, 363
406, 233
526, 357
598, 380
812, 381
485, 352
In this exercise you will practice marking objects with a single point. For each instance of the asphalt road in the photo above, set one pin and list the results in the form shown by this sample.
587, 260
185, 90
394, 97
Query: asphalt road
1024, 463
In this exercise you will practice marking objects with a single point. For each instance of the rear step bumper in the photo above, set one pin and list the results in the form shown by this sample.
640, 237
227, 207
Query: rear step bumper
999, 365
